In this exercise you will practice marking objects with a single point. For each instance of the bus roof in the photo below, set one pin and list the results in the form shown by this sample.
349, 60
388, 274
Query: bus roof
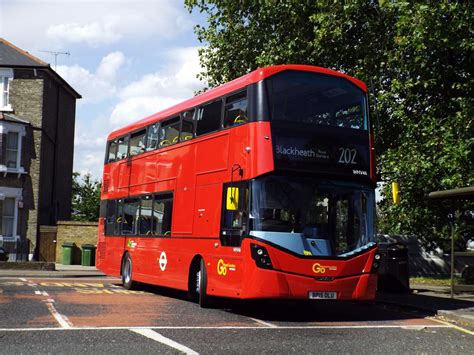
234, 85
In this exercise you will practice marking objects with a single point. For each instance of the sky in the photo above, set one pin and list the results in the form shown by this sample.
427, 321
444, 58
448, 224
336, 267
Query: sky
128, 59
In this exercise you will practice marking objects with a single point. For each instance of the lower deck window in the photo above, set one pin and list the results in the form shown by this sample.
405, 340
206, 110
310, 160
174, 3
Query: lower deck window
145, 215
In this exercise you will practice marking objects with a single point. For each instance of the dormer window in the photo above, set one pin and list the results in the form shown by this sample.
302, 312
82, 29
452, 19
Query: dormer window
6, 76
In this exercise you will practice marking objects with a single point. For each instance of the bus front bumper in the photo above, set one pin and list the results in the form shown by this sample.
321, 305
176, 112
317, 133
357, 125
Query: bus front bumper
277, 284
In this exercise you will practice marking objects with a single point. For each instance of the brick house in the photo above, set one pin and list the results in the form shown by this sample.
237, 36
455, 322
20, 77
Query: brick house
37, 117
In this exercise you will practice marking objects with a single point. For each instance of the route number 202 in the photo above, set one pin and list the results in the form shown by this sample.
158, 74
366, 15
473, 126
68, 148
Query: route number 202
347, 156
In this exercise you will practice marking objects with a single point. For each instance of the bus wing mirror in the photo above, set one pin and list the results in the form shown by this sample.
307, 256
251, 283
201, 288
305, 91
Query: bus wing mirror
232, 201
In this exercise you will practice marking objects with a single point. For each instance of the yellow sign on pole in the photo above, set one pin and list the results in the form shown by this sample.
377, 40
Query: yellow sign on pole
395, 193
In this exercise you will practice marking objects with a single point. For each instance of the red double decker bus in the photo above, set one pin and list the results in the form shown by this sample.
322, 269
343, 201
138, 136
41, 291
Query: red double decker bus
260, 188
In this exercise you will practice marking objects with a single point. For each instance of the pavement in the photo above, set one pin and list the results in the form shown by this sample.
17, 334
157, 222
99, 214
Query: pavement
434, 300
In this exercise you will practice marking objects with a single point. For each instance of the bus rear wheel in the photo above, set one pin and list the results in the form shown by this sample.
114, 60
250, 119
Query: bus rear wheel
127, 280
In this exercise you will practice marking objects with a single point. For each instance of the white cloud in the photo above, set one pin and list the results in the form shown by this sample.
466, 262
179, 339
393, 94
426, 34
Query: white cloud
93, 33
87, 141
94, 87
92, 164
58, 23
110, 65
187, 60
157, 91
149, 84
136, 108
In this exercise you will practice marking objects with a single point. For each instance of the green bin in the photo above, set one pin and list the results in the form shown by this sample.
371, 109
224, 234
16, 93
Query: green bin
67, 253
88, 255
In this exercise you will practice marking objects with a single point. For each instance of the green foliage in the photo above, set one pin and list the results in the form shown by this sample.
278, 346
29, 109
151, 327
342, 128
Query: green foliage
85, 198
416, 57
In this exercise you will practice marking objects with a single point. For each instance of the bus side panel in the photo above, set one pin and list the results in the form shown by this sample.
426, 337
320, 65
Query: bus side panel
207, 210
109, 255
261, 157
167, 262
183, 211
225, 270
183, 203
212, 154
123, 176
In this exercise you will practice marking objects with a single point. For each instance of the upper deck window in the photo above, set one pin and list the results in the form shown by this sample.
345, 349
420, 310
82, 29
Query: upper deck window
187, 126
153, 136
137, 142
319, 99
112, 151
169, 132
236, 110
122, 149
209, 118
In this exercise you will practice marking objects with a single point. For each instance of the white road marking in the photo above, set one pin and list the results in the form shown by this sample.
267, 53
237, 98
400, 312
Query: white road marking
266, 324
151, 334
45, 294
62, 320
401, 326
38, 292
22, 279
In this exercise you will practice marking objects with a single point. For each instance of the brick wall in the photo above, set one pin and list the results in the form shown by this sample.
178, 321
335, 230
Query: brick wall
26, 98
77, 232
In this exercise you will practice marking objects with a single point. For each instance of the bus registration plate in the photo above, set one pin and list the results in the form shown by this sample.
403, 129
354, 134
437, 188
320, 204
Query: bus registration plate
323, 295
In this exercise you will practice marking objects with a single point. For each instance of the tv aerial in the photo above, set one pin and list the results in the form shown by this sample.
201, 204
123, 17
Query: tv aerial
56, 56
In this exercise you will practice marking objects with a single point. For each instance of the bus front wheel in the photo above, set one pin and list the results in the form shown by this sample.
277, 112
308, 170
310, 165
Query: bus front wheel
202, 286
127, 280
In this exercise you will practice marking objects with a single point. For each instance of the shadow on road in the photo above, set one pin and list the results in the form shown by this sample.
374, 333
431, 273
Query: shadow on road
301, 311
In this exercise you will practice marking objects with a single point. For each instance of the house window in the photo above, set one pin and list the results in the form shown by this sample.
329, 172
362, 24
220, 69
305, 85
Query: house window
7, 208
12, 136
6, 75
12, 150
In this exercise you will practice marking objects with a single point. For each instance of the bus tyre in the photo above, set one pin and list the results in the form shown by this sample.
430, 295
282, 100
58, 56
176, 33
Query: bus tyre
203, 298
127, 281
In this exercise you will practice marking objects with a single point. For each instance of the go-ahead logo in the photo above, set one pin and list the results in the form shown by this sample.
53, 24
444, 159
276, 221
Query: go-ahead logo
222, 267
321, 269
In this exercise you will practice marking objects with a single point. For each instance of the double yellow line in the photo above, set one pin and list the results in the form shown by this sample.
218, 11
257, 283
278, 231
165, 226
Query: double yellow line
452, 325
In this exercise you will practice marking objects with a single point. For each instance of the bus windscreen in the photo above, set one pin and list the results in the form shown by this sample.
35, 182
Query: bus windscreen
313, 217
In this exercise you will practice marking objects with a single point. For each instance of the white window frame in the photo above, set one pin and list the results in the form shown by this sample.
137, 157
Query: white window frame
6, 76
5, 128
17, 194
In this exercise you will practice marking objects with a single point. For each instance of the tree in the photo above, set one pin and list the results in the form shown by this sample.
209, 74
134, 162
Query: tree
85, 198
416, 59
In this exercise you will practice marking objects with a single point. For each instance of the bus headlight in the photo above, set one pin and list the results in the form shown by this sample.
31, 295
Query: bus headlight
261, 257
